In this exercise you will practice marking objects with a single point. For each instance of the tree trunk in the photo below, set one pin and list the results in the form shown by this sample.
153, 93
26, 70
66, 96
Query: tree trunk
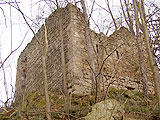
125, 17
129, 17
114, 21
129, 23
90, 49
141, 60
154, 67
64, 82
57, 4
44, 56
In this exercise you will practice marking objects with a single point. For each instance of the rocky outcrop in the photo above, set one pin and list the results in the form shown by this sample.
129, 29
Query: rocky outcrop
109, 109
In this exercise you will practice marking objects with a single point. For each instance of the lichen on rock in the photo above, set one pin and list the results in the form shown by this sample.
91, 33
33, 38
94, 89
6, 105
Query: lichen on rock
109, 109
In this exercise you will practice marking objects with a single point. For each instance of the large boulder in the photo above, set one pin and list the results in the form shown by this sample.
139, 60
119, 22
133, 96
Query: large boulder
109, 109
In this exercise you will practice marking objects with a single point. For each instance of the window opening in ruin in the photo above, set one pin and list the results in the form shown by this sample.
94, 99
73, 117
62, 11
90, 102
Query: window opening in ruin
117, 53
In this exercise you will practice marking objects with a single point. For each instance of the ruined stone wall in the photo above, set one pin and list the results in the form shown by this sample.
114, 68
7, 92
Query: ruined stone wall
121, 68
29, 70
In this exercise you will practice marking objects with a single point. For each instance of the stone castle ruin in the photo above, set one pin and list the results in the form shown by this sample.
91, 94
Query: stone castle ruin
121, 68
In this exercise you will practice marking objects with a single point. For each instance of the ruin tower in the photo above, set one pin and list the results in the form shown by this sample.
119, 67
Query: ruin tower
66, 34
64, 23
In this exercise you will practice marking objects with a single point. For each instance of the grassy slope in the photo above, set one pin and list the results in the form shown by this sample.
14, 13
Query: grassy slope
136, 106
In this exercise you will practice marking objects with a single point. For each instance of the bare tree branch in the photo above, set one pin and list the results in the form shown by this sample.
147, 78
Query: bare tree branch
100, 70
13, 51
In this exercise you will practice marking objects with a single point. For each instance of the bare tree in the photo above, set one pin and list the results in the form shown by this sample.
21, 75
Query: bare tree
44, 57
154, 28
127, 17
153, 65
64, 78
90, 50
141, 61
114, 21
44, 51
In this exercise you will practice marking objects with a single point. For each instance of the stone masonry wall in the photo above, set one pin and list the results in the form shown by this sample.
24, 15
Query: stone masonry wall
121, 67
29, 70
